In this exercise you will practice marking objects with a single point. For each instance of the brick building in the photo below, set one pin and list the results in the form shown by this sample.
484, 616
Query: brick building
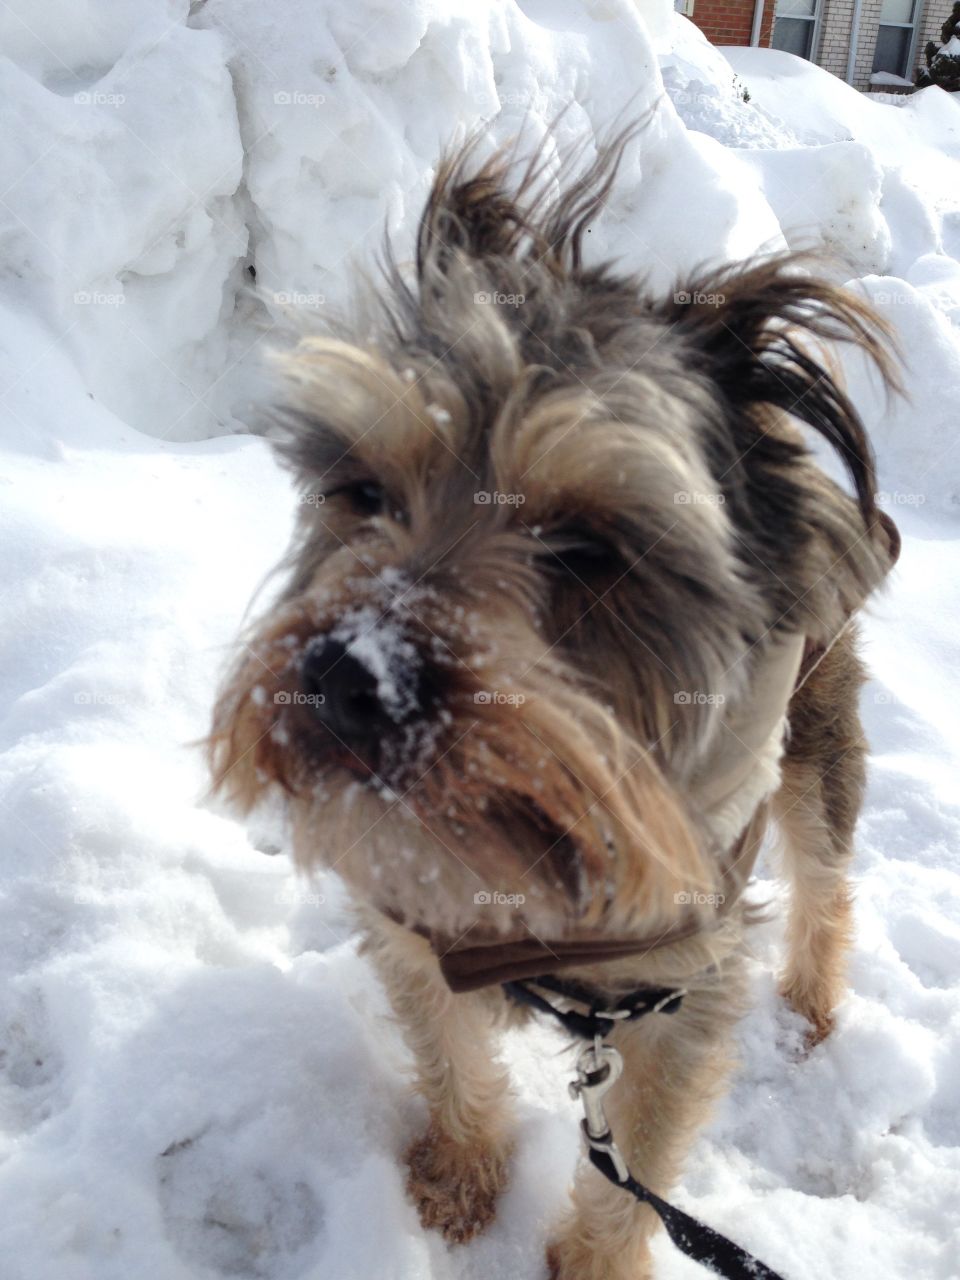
890, 34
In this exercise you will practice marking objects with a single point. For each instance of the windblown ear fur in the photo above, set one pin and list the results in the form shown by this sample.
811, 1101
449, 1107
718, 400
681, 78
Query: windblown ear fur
478, 210
758, 334
757, 328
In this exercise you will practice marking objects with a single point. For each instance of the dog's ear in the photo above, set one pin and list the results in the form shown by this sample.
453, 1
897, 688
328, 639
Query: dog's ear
757, 337
760, 332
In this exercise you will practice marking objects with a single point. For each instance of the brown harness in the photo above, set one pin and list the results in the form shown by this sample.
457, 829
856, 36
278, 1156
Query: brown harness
488, 964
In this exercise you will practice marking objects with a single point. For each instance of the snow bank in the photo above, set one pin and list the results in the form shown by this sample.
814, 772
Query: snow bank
195, 1078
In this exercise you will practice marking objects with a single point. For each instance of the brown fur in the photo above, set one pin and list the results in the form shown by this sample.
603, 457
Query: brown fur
672, 526
816, 807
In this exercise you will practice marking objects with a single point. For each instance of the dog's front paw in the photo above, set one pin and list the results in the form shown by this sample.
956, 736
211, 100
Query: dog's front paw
455, 1185
814, 1004
573, 1258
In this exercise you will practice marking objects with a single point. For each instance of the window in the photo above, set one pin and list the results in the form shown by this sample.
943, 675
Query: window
793, 30
895, 37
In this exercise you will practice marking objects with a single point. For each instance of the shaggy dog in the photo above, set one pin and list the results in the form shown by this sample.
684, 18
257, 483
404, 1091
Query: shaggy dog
568, 617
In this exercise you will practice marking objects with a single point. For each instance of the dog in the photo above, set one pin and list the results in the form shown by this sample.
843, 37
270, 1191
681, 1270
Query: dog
568, 619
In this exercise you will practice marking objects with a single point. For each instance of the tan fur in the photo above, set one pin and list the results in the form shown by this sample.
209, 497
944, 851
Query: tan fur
454, 1185
451, 1037
817, 807
456, 1169
665, 526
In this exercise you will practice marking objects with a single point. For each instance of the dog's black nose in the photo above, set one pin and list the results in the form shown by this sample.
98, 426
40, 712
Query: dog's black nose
344, 692
364, 688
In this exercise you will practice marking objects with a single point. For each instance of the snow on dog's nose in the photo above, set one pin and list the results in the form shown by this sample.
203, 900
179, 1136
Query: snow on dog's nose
364, 684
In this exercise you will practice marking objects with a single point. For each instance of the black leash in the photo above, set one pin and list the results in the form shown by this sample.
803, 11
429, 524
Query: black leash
598, 1068
692, 1237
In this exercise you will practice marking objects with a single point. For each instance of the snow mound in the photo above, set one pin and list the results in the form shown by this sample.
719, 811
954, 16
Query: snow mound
828, 198
197, 1079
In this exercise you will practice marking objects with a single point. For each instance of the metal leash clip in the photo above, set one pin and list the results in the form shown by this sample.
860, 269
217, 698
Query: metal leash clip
599, 1067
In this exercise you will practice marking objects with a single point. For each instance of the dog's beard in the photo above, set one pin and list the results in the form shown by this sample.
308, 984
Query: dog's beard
513, 782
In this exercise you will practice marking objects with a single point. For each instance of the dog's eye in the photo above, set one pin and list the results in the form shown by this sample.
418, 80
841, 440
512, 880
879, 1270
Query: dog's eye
366, 497
580, 555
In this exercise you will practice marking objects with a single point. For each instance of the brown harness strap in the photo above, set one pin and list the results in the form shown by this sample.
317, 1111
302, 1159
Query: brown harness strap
500, 960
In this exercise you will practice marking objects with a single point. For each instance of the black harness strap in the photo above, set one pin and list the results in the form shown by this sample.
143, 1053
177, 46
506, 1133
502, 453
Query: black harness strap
693, 1238
600, 1019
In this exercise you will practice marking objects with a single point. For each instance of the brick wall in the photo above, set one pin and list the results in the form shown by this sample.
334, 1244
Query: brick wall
835, 23
867, 47
731, 21
835, 36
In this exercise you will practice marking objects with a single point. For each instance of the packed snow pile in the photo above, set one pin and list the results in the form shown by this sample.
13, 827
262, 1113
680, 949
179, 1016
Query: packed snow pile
196, 1080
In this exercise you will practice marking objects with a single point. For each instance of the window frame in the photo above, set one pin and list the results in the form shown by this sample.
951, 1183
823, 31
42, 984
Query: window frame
913, 25
815, 20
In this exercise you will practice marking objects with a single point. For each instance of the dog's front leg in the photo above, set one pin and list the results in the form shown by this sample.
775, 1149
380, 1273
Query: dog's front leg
458, 1166
674, 1067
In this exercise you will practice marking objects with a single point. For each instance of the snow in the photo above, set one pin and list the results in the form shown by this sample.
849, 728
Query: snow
385, 653
196, 1078
889, 77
